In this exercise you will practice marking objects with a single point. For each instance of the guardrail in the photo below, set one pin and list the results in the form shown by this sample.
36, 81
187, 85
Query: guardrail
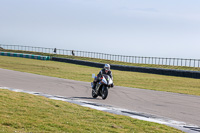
170, 72
39, 57
122, 58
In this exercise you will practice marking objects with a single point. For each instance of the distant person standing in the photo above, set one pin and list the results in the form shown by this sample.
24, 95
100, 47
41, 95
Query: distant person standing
73, 53
54, 50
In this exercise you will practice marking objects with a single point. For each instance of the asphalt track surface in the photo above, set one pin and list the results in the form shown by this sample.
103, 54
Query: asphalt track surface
179, 107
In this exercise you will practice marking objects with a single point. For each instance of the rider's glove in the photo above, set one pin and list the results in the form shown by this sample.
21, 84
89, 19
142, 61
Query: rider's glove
112, 85
99, 78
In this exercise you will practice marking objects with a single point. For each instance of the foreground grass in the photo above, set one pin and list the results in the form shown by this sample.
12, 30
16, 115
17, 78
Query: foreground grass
108, 61
22, 112
121, 78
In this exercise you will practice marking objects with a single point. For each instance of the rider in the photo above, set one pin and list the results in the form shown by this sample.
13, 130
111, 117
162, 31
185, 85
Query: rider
106, 70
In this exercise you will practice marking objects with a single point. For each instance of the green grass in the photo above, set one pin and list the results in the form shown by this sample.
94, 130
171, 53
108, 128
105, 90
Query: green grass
25, 113
121, 78
109, 61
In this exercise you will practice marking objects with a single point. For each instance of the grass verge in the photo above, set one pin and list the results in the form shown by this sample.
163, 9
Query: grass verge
21, 112
121, 78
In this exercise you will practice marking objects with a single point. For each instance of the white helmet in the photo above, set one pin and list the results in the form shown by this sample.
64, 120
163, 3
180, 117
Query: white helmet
107, 67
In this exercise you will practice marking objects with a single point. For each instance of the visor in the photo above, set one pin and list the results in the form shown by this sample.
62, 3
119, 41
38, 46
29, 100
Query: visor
107, 68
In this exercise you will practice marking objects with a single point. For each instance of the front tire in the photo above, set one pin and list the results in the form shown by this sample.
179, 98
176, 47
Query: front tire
104, 92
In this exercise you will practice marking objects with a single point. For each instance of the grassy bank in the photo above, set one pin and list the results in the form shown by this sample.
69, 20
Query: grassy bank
22, 113
109, 61
121, 78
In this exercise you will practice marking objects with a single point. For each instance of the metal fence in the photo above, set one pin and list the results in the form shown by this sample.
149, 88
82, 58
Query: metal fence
122, 58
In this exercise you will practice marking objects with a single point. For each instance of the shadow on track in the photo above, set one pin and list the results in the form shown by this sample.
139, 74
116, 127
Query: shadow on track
86, 98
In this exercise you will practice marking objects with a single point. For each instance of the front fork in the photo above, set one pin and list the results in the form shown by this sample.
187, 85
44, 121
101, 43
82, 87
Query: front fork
98, 86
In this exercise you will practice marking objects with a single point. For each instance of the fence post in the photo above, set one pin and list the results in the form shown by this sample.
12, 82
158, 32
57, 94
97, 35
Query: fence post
135, 59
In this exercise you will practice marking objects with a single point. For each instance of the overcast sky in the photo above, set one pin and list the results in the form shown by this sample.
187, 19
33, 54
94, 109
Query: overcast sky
153, 28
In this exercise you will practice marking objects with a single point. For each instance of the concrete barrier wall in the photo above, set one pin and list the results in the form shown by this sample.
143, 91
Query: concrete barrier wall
169, 72
39, 57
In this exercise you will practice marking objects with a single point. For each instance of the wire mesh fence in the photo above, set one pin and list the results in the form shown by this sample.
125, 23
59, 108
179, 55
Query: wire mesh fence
122, 58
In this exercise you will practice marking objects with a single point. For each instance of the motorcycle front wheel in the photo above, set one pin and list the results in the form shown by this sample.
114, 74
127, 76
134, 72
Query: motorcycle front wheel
104, 92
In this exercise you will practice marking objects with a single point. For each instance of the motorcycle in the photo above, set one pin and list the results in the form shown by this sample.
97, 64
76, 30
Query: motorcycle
102, 86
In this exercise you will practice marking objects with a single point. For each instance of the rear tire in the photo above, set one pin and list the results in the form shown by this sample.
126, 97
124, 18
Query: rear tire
104, 92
